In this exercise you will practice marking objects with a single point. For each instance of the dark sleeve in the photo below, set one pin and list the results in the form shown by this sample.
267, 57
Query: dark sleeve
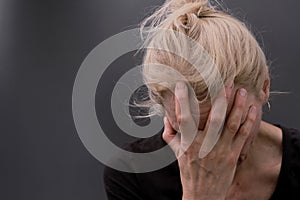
288, 185
127, 186
121, 185
160, 184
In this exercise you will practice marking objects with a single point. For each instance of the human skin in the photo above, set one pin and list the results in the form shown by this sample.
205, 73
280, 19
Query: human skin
214, 176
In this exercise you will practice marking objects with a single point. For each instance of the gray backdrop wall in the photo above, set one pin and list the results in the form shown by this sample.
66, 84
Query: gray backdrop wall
42, 45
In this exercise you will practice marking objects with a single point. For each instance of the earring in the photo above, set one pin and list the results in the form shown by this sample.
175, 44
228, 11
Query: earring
268, 107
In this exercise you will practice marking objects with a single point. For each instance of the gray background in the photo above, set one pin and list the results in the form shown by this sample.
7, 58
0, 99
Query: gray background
42, 44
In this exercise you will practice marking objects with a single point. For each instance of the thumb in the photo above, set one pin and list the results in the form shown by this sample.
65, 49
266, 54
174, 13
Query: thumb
170, 137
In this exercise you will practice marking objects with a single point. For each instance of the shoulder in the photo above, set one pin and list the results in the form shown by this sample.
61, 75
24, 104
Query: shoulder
291, 144
291, 151
289, 177
145, 145
120, 185
124, 185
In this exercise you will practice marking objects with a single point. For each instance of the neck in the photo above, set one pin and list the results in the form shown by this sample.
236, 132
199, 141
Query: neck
265, 147
258, 173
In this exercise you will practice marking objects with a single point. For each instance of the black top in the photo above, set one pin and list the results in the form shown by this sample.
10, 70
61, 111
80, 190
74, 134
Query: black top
164, 184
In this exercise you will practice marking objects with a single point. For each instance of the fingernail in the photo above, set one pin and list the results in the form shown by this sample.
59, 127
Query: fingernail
180, 85
242, 92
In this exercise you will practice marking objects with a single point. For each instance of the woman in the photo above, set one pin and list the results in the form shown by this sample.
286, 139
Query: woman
250, 159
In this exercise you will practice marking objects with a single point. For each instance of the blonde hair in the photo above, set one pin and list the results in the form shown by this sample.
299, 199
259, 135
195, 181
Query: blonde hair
233, 50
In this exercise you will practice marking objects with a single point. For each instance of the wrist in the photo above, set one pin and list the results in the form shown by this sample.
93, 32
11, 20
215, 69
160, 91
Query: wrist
193, 195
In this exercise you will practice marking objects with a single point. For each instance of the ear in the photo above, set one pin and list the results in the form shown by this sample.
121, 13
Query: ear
265, 91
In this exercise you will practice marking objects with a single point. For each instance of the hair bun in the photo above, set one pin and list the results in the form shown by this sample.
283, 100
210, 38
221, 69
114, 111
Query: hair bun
177, 13
201, 8
176, 4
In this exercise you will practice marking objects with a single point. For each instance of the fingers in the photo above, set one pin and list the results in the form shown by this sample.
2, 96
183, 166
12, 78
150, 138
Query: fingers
245, 130
217, 113
214, 125
182, 106
234, 119
187, 126
236, 132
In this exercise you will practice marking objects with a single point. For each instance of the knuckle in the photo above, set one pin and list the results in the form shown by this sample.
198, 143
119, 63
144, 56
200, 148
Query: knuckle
231, 159
245, 131
166, 137
241, 104
232, 127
